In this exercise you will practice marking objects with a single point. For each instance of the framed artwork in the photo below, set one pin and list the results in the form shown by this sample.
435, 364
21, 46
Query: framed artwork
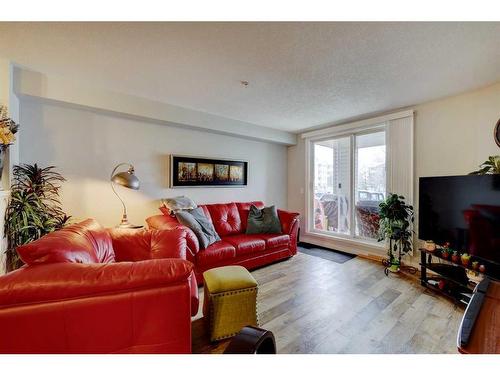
186, 171
496, 133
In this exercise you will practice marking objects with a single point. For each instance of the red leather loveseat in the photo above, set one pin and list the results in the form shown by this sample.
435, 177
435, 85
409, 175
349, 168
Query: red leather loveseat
86, 289
235, 247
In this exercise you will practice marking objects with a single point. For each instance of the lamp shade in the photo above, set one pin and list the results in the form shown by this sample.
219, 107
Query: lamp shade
127, 179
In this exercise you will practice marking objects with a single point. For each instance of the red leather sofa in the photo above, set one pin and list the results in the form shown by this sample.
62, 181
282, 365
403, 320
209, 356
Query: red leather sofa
86, 289
235, 247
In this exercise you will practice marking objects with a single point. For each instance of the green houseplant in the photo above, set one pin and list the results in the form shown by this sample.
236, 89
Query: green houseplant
34, 208
396, 218
490, 166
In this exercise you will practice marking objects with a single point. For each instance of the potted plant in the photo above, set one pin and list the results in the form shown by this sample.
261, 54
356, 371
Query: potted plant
455, 257
465, 259
445, 252
395, 222
34, 208
475, 265
490, 166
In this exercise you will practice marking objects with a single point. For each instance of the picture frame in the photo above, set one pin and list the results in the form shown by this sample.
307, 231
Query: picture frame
194, 171
496, 133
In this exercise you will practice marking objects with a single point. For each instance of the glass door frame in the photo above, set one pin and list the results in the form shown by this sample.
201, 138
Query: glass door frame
310, 175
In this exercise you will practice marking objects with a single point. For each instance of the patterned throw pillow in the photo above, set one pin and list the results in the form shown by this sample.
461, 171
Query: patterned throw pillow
263, 220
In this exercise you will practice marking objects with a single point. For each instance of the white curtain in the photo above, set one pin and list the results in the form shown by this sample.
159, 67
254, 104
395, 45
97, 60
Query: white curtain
400, 161
400, 157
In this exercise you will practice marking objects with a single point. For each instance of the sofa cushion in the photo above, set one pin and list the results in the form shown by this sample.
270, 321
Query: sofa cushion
244, 209
226, 218
85, 242
246, 244
216, 253
275, 240
263, 220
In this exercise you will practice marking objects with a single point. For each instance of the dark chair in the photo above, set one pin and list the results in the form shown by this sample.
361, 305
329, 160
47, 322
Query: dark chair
252, 340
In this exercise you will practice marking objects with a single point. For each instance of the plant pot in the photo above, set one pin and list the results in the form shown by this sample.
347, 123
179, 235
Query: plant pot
465, 262
455, 258
445, 255
430, 246
475, 266
394, 267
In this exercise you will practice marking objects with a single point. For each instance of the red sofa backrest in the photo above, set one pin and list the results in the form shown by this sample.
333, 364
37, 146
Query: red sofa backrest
228, 218
85, 242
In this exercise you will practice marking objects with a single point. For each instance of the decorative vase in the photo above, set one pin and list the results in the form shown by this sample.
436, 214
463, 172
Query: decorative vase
430, 246
465, 260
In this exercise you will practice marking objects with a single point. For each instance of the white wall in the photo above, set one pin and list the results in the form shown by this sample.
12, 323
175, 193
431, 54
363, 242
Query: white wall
85, 146
452, 137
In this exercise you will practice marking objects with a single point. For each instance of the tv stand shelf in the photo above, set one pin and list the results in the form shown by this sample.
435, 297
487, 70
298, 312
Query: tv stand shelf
435, 276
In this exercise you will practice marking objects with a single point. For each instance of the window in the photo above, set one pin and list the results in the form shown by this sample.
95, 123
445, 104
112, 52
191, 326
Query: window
349, 183
370, 182
349, 170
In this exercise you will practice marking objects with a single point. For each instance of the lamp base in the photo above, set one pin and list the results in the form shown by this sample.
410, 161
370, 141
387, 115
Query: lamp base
126, 225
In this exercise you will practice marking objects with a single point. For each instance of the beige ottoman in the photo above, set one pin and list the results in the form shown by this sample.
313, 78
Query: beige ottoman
230, 301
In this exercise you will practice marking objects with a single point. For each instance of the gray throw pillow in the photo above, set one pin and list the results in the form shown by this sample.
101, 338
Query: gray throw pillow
200, 225
179, 203
264, 220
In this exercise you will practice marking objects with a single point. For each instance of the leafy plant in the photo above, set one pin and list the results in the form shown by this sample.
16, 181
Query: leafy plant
34, 208
395, 222
490, 166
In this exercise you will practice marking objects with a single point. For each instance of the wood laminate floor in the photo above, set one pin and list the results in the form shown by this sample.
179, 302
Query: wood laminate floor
314, 305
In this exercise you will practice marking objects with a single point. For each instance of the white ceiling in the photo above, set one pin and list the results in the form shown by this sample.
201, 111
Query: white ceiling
301, 75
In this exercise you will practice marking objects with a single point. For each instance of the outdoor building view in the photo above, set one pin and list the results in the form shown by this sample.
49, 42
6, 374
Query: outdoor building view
333, 192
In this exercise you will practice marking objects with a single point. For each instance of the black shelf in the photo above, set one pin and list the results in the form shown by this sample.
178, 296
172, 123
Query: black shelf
455, 289
457, 297
430, 266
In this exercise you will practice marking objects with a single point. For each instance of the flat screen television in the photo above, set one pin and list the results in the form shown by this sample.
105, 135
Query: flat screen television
464, 211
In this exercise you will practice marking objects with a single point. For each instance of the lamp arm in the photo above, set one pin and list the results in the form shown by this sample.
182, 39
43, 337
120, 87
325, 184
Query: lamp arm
121, 200
113, 185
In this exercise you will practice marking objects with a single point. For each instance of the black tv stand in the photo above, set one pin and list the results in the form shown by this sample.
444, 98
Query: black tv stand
448, 278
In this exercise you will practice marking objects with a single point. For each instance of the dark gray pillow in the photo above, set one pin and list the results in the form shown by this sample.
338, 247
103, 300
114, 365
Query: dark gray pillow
200, 225
264, 220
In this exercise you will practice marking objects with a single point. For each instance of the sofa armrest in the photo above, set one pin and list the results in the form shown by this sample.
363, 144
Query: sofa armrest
163, 222
288, 219
135, 245
62, 281
290, 226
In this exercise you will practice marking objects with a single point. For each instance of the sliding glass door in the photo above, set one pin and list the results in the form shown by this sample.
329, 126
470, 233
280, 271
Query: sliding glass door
370, 182
332, 185
349, 175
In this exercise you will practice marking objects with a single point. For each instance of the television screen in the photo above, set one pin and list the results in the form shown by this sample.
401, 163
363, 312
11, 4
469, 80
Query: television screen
464, 211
